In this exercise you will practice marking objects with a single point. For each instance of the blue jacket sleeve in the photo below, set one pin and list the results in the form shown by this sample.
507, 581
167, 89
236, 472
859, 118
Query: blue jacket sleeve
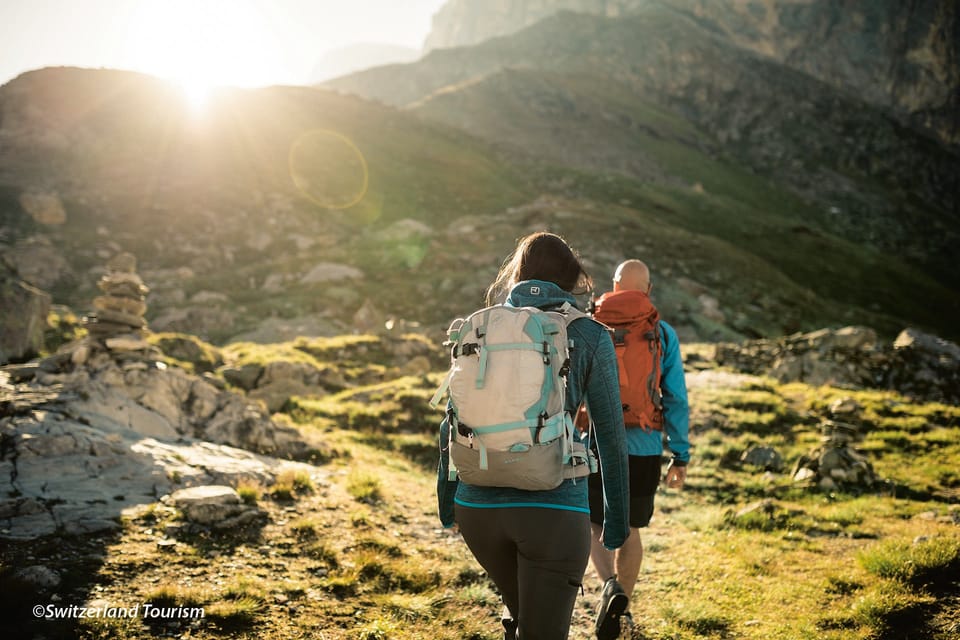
676, 410
446, 489
603, 399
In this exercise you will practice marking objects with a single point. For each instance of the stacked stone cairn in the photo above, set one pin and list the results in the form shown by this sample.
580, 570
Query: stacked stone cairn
117, 321
835, 463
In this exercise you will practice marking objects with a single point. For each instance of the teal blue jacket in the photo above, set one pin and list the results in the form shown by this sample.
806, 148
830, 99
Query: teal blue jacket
593, 376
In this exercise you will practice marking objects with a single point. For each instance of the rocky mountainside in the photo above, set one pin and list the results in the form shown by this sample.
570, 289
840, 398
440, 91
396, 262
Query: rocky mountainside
660, 98
300, 211
903, 56
461, 23
274, 206
823, 142
344, 60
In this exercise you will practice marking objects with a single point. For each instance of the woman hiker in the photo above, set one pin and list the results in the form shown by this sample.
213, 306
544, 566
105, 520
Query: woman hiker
535, 544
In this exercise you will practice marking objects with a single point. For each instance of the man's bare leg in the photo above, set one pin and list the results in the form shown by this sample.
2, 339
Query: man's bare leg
603, 559
627, 561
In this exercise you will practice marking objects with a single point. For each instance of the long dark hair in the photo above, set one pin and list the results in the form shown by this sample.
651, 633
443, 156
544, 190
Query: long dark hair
541, 256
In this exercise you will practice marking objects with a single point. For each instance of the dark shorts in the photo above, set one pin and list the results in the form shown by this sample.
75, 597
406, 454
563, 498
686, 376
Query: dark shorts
644, 480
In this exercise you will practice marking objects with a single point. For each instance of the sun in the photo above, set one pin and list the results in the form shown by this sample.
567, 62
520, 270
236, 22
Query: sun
201, 44
196, 92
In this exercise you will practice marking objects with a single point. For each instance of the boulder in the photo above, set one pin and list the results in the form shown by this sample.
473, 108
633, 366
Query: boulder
765, 458
216, 506
37, 261
102, 426
331, 272
368, 318
245, 376
925, 366
275, 395
23, 316
187, 348
104, 470
39, 576
44, 207
916, 364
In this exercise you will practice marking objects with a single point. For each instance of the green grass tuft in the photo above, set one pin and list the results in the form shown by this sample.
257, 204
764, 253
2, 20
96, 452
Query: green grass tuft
364, 486
933, 560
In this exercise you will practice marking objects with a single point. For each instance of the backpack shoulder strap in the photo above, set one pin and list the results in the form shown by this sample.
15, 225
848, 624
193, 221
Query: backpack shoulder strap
570, 313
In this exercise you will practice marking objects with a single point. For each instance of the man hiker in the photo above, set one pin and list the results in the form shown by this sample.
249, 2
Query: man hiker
654, 397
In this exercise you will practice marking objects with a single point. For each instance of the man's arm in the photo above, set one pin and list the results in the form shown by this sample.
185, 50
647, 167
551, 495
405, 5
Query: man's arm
676, 410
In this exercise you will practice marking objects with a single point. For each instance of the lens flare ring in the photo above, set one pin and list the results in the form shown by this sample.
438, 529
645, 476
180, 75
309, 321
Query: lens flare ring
335, 144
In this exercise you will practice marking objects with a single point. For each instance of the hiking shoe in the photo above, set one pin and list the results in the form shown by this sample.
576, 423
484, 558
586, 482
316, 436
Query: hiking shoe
510, 625
509, 628
613, 602
626, 625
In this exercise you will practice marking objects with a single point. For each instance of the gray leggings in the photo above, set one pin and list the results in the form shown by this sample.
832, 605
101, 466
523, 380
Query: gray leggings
536, 557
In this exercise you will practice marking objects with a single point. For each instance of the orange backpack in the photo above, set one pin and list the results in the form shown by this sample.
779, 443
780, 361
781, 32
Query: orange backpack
635, 327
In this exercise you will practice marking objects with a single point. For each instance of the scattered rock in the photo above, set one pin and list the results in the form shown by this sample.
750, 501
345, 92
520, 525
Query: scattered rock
766, 506
44, 207
765, 458
368, 318
244, 377
331, 272
23, 316
105, 413
845, 406
918, 365
39, 576
37, 261
215, 506
187, 348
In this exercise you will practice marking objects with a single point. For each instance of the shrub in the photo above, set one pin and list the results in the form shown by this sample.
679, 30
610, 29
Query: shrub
364, 487
249, 492
305, 528
889, 603
291, 482
926, 561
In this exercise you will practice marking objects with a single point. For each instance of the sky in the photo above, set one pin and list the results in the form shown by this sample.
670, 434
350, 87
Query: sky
202, 42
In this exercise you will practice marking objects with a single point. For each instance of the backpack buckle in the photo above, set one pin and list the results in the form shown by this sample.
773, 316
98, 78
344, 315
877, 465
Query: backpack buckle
541, 423
467, 349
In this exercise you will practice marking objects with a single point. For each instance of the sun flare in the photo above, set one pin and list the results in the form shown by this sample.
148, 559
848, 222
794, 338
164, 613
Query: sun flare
201, 45
196, 92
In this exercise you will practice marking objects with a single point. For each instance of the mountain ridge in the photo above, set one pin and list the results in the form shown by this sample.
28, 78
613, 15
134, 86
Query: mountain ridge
902, 56
247, 217
828, 148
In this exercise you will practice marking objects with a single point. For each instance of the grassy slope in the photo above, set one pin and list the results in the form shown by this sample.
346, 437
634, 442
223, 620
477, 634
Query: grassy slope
661, 157
177, 191
606, 119
202, 193
355, 553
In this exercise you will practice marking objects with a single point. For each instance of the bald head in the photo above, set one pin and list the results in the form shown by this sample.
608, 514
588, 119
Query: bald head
632, 275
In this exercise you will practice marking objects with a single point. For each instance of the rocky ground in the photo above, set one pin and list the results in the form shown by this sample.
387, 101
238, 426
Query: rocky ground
124, 492
266, 578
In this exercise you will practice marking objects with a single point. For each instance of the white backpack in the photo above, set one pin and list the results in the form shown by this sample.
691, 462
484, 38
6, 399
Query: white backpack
507, 386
